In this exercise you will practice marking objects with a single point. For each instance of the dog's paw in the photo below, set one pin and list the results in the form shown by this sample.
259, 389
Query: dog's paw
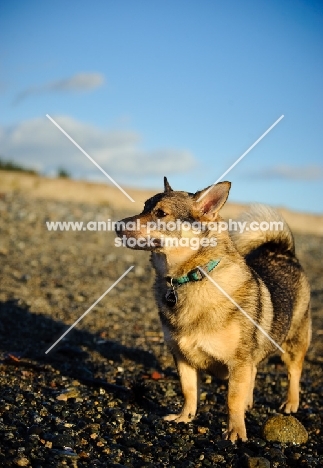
186, 418
170, 417
235, 434
289, 406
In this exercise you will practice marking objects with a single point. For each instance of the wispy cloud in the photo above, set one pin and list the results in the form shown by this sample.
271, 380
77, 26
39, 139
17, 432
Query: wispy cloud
80, 82
38, 144
308, 172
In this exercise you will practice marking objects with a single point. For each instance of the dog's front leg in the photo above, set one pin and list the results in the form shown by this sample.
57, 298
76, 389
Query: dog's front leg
190, 383
240, 381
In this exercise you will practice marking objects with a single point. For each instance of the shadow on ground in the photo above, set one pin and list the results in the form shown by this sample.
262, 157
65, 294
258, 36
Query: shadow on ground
25, 337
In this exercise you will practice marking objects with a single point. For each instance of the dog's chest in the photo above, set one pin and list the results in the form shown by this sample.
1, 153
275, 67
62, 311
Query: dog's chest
201, 349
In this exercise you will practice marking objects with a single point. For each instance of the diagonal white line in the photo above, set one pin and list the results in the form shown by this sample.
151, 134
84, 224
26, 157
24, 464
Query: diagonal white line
89, 309
241, 309
243, 155
89, 157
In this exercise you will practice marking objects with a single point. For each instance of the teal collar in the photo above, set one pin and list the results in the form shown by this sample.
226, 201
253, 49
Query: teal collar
193, 275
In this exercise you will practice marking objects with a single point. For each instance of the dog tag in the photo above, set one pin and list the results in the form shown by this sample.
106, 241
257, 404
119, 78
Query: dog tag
171, 297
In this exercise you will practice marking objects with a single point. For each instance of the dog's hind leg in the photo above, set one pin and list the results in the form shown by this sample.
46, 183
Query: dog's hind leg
294, 367
249, 402
295, 348
190, 383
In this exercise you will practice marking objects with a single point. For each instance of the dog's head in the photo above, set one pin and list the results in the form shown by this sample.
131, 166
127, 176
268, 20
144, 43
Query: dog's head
172, 215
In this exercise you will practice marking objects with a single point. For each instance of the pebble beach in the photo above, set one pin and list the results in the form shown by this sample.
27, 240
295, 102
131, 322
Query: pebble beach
98, 397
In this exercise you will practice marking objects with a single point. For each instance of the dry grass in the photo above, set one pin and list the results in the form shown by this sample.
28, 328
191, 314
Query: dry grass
106, 194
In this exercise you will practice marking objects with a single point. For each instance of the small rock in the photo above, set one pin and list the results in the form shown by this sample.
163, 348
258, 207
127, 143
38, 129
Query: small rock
216, 458
139, 271
284, 429
276, 455
65, 454
257, 443
258, 462
70, 393
208, 379
63, 441
135, 418
223, 444
203, 396
21, 461
202, 430
35, 429
170, 392
79, 298
62, 397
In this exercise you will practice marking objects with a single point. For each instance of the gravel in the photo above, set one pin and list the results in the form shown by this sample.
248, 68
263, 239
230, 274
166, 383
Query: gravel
97, 398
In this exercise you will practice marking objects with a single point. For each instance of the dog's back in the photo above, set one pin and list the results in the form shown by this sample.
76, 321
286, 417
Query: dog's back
270, 252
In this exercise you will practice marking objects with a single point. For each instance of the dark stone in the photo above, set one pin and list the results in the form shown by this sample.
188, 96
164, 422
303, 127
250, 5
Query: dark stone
62, 440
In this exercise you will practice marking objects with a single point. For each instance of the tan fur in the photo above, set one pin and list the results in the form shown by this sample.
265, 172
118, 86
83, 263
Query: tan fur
205, 331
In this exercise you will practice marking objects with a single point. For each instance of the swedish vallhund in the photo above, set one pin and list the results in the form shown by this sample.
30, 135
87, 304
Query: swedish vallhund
228, 303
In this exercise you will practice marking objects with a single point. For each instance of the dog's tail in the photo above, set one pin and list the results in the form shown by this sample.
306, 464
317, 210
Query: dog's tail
262, 225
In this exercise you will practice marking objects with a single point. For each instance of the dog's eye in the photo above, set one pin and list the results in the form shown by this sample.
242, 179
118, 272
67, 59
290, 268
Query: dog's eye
160, 213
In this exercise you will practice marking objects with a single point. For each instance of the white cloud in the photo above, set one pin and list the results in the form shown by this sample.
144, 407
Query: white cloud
77, 83
309, 172
38, 144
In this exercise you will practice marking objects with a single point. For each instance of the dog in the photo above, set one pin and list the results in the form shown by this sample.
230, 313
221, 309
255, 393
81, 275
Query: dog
227, 300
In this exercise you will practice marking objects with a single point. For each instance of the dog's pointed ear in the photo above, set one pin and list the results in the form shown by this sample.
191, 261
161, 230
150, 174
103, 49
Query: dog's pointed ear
208, 202
167, 187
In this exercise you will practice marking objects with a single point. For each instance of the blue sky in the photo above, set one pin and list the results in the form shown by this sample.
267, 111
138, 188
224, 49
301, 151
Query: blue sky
178, 88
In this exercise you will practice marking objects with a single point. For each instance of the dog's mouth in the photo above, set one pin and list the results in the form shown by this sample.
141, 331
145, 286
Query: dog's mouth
139, 242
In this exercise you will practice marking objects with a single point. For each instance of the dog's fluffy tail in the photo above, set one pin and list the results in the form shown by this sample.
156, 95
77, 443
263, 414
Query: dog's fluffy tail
271, 228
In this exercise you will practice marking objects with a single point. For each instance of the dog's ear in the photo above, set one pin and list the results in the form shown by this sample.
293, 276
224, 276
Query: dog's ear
208, 202
167, 187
